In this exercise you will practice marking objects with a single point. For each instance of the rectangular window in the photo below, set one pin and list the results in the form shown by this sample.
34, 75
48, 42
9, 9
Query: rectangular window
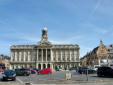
26, 59
59, 59
39, 58
35, 58
30, 56
54, 59
63, 52
67, 59
13, 59
17, 58
63, 59
21, 58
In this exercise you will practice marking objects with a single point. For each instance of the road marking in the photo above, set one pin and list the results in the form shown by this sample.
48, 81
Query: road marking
20, 80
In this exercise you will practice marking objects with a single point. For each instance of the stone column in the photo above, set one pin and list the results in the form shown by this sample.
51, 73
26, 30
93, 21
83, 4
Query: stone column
51, 55
78, 55
61, 54
42, 54
19, 56
15, 56
65, 55
37, 55
74, 55
37, 65
46, 55
56, 55
24, 55
12, 55
14, 66
41, 65
70, 54
70, 65
28, 55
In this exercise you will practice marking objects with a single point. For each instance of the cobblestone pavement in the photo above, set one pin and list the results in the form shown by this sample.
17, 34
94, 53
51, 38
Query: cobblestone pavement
59, 78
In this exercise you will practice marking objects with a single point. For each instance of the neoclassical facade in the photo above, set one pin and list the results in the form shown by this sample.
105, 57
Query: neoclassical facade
45, 55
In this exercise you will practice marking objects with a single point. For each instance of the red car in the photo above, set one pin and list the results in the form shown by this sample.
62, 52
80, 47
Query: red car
32, 71
45, 71
1, 70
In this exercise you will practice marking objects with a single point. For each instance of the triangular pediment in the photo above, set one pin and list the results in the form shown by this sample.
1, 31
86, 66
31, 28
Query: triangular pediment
44, 43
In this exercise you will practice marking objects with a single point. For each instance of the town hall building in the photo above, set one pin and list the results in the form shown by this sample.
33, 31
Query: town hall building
45, 55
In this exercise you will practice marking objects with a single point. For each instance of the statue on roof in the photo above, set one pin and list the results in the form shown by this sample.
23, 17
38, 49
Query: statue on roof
44, 41
44, 34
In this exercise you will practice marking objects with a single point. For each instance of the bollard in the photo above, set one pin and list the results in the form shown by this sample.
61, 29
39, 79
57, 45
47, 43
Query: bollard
68, 76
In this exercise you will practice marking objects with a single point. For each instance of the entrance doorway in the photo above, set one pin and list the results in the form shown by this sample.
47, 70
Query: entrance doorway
39, 66
48, 65
44, 66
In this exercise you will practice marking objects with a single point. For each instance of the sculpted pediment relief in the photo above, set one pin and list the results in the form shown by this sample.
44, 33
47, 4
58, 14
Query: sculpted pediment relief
44, 43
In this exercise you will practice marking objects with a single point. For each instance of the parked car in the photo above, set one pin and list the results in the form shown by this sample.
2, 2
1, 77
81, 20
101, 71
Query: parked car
33, 71
85, 70
57, 69
36, 69
22, 72
106, 71
95, 67
45, 71
9, 74
1, 70
73, 68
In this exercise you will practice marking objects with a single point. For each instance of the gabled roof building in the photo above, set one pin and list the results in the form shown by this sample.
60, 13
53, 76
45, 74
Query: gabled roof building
101, 55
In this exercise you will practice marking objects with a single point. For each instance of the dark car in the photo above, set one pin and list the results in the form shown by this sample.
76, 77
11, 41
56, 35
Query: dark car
106, 71
57, 69
73, 68
9, 74
22, 72
85, 70
36, 69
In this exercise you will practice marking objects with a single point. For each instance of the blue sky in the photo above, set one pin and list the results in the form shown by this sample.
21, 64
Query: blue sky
82, 22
